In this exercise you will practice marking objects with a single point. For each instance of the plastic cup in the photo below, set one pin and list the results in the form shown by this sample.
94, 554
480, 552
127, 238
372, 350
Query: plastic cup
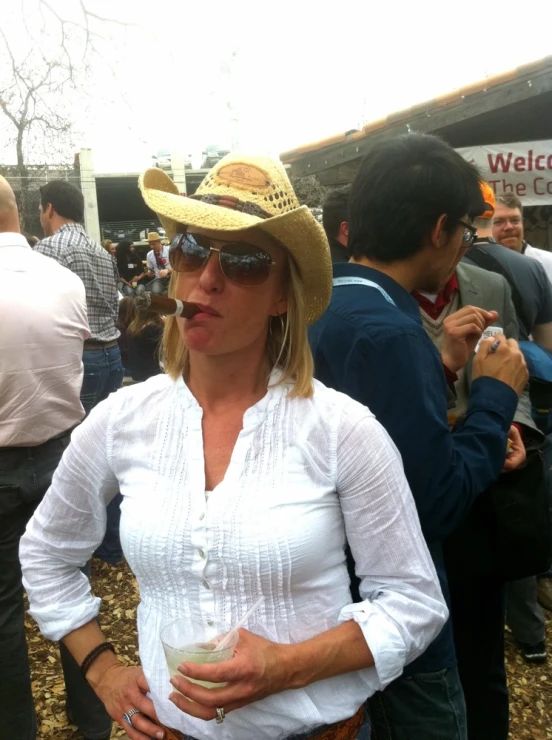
185, 642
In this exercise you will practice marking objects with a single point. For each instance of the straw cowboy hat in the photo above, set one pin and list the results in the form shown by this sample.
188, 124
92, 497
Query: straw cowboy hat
153, 236
243, 192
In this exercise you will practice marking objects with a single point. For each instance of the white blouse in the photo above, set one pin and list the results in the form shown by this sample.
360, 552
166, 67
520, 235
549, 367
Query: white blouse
304, 476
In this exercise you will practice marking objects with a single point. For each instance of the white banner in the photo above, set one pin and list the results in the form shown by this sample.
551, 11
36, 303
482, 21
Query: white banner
524, 169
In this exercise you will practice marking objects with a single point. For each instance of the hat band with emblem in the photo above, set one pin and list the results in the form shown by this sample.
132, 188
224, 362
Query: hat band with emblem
242, 192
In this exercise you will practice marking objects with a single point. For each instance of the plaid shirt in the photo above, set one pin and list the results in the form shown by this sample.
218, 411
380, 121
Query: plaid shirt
72, 248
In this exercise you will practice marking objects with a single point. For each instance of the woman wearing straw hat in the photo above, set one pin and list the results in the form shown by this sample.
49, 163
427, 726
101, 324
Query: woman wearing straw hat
241, 478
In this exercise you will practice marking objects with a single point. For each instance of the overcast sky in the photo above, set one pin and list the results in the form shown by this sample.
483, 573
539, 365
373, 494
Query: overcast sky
287, 72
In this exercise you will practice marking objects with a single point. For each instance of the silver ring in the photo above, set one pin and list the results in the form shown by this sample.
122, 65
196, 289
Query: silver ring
127, 716
220, 715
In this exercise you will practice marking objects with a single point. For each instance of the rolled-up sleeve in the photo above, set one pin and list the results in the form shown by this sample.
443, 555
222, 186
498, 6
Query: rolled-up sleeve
67, 527
403, 608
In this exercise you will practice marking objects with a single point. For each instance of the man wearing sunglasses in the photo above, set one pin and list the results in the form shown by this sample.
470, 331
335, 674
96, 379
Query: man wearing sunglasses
409, 225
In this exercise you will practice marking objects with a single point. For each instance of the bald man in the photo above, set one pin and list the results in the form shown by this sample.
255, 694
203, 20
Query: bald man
43, 327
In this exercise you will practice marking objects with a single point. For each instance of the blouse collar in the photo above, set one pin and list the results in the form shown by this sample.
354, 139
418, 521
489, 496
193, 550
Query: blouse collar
254, 415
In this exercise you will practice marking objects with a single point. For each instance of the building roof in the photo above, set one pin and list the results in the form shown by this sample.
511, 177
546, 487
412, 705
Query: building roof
478, 100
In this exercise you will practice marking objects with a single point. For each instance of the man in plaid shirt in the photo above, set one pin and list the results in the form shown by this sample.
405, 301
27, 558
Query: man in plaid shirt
61, 215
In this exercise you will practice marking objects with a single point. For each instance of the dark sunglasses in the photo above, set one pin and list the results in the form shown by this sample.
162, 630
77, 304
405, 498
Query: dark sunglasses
241, 263
469, 234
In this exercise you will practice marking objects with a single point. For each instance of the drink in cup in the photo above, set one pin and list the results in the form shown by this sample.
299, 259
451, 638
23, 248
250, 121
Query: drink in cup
185, 642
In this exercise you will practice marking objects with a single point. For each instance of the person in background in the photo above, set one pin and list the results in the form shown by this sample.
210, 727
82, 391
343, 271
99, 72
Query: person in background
508, 231
242, 478
61, 216
127, 312
42, 331
143, 338
477, 601
409, 210
132, 275
335, 219
524, 614
109, 246
158, 265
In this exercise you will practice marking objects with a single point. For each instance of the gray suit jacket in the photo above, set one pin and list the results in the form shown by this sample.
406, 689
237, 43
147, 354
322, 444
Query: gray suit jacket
491, 291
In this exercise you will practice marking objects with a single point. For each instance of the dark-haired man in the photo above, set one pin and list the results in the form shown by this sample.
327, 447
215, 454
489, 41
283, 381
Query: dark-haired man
61, 216
409, 224
335, 219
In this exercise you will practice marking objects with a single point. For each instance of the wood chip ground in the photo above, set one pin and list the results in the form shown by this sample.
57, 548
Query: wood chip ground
530, 686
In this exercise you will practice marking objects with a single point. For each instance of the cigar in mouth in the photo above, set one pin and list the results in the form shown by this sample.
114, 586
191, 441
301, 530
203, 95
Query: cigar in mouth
166, 306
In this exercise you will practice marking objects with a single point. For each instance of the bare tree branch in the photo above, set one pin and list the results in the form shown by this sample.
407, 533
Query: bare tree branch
38, 83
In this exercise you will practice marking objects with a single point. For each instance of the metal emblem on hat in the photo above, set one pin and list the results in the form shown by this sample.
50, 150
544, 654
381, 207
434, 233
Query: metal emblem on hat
243, 174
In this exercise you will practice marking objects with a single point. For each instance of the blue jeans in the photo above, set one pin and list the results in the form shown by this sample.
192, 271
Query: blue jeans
103, 374
25, 476
128, 291
425, 706
160, 286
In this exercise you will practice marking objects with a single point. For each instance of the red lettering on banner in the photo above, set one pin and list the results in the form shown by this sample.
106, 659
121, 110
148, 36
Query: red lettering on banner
519, 164
520, 188
493, 184
504, 164
542, 183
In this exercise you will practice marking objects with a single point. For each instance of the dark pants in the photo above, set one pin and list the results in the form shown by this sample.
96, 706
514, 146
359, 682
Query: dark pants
524, 615
103, 374
478, 611
25, 475
425, 706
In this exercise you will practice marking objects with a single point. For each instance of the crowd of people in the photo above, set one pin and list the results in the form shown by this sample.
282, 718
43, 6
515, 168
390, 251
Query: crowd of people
319, 440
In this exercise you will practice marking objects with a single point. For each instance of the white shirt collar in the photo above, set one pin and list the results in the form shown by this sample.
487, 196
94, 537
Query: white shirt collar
13, 239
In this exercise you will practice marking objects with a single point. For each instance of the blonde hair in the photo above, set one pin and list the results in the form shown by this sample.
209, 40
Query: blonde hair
287, 346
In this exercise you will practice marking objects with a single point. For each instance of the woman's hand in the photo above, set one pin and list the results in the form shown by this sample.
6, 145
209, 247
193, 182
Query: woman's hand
122, 688
258, 669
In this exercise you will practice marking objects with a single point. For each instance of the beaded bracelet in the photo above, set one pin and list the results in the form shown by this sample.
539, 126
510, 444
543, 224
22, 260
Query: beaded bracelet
93, 654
